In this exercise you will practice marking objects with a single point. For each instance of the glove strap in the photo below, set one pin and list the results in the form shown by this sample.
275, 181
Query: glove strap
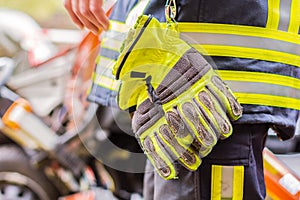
151, 91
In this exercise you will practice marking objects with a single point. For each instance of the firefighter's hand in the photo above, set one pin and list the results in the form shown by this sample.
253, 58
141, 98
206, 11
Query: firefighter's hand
87, 14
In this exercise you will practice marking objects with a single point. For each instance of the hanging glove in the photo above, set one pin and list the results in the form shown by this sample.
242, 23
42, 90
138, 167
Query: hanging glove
180, 105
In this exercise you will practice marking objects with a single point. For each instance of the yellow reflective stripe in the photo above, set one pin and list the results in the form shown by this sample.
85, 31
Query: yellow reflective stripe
243, 41
273, 14
88, 92
283, 15
295, 17
260, 77
106, 82
238, 182
238, 30
250, 53
264, 43
227, 182
268, 100
97, 59
216, 182
263, 88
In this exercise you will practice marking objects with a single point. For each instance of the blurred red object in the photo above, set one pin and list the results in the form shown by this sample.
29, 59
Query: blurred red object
281, 182
81, 73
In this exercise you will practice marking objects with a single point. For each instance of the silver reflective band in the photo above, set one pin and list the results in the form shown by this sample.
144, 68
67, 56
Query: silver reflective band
240, 41
263, 88
113, 40
285, 11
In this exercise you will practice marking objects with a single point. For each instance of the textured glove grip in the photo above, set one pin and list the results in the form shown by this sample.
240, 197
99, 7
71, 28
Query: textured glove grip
188, 70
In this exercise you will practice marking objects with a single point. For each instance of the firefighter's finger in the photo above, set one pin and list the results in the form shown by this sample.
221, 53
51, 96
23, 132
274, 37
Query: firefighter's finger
99, 14
74, 18
80, 13
88, 10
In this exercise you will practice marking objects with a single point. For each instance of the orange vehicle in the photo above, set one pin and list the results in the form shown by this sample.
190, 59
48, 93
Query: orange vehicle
282, 182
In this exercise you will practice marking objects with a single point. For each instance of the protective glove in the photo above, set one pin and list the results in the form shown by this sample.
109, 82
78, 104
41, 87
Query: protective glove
180, 105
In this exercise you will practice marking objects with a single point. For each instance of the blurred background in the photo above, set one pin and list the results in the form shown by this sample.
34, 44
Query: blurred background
49, 13
49, 66
65, 147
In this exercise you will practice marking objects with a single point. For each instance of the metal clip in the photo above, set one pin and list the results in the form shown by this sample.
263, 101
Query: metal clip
170, 10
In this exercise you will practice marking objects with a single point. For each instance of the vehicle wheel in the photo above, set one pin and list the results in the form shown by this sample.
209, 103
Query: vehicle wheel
21, 181
4, 139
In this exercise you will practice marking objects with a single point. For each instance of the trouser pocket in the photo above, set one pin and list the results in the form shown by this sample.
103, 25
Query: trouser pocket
234, 169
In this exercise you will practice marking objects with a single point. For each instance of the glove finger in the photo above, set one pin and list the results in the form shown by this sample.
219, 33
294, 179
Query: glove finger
214, 113
184, 136
148, 115
160, 160
203, 151
167, 149
178, 143
177, 146
197, 124
225, 95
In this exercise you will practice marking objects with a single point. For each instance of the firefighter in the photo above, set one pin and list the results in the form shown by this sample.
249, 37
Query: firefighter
255, 48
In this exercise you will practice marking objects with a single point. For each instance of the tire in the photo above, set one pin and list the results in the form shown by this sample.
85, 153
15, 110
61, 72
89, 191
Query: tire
21, 181
4, 139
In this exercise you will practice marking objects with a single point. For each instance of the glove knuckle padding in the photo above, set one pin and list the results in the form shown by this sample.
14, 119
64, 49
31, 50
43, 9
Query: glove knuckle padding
182, 106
